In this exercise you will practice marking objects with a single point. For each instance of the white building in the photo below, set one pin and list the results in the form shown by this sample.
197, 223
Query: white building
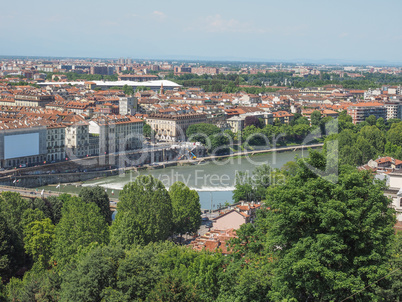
115, 133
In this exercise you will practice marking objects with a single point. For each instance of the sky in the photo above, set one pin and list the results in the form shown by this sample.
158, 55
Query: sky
289, 31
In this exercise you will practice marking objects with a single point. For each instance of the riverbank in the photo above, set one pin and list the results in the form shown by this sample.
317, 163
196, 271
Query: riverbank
40, 180
213, 180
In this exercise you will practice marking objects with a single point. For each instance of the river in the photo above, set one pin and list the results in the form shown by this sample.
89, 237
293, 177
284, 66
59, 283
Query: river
214, 181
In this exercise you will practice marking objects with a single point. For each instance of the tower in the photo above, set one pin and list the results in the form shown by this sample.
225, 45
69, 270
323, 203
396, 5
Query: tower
162, 90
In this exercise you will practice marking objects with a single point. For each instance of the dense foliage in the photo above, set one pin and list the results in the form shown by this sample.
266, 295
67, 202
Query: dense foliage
256, 83
368, 140
216, 141
144, 213
312, 240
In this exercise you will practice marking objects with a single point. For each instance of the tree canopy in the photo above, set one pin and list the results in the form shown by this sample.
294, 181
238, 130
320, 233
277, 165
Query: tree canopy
144, 213
200, 132
98, 196
81, 224
186, 208
330, 239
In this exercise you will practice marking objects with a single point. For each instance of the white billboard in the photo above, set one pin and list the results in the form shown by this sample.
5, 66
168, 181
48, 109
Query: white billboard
21, 145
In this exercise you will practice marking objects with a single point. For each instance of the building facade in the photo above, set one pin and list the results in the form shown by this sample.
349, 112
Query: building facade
77, 140
359, 112
55, 142
110, 134
173, 128
128, 105
33, 100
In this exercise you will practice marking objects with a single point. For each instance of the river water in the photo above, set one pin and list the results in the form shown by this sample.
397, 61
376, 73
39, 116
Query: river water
214, 181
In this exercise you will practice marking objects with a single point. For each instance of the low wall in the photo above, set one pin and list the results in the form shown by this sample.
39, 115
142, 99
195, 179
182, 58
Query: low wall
33, 181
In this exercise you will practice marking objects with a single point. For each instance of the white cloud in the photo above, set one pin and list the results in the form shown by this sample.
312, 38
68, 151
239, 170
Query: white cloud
158, 14
343, 35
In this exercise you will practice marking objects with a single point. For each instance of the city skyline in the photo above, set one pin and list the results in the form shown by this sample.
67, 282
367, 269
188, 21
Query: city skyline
312, 31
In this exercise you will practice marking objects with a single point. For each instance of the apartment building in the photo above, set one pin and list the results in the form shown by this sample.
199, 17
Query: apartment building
33, 100
173, 128
394, 110
77, 139
128, 105
103, 70
283, 116
205, 70
359, 112
116, 133
55, 142
236, 123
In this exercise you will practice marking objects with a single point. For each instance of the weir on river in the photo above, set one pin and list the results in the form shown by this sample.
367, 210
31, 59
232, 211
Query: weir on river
212, 180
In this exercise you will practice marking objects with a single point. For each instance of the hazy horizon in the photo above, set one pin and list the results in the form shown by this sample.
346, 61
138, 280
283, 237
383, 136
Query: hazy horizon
258, 31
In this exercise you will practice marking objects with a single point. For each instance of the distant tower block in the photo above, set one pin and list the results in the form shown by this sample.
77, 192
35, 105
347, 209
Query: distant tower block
128, 105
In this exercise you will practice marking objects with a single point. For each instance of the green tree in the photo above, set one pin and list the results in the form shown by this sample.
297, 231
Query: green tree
371, 120
253, 187
139, 271
302, 120
262, 179
40, 286
55, 205
375, 137
186, 208
243, 187
394, 290
93, 275
42, 205
219, 144
364, 150
330, 240
200, 132
173, 289
301, 131
142, 88
315, 118
13, 206
81, 224
246, 279
290, 168
394, 135
29, 216
229, 134
144, 213
3, 295
38, 241
148, 132
254, 136
381, 124
98, 196
128, 90
201, 270
10, 250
